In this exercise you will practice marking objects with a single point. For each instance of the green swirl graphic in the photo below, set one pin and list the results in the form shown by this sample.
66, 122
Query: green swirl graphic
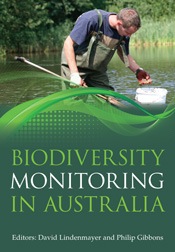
121, 122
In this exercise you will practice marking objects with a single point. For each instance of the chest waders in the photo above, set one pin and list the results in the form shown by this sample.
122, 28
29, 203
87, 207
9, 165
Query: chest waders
93, 59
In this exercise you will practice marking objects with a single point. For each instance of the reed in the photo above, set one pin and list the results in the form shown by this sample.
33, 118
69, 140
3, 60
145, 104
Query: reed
154, 33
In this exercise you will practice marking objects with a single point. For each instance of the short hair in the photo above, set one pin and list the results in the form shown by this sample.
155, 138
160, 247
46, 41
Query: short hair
129, 17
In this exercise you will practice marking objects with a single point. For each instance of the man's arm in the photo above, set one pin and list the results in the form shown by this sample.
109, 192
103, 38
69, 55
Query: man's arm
133, 66
142, 76
70, 55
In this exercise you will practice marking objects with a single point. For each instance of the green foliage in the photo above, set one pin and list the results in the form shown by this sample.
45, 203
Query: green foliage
31, 25
39, 25
154, 9
154, 32
21, 22
58, 11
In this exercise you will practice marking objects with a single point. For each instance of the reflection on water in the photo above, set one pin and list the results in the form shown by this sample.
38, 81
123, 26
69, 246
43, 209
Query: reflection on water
19, 82
159, 62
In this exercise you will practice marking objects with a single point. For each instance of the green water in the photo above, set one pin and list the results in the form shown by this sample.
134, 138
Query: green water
159, 62
20, 82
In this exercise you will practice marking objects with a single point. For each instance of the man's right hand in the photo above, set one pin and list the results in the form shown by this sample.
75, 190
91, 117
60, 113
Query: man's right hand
75, 78
143, 77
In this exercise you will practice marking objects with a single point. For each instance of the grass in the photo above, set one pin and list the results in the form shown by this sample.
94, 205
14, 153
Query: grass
154, 33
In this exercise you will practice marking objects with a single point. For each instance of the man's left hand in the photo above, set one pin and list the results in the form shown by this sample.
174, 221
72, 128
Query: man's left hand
143, 77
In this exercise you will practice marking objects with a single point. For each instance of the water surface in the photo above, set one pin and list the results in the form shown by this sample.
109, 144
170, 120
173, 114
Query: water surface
19, 82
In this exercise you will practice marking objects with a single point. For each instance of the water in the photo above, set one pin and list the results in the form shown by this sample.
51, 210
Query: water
159, 62
19, 82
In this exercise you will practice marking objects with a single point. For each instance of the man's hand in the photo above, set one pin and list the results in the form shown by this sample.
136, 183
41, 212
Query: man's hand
75, 78
143, 77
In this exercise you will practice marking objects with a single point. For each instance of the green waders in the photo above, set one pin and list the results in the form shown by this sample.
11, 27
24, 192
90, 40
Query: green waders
92, 61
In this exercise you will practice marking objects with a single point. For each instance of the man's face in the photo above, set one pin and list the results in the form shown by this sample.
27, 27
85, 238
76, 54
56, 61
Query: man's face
125, 31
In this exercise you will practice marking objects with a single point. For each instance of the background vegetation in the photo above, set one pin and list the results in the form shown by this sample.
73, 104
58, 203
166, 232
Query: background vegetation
42, 25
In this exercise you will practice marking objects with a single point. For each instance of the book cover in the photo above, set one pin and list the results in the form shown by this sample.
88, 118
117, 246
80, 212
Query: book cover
78, 173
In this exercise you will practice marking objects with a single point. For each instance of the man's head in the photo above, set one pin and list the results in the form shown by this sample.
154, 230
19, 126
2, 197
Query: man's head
129, 17
128, 21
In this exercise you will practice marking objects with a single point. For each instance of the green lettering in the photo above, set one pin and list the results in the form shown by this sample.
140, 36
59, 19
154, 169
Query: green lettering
50, 203
69, 157
60, 204
109, 158
27, 204
123, 204
156, 156
134, 205
90, 202
17, 155
45, 157
142, 156
81, 160
145, 204
95, 157
123, 157
157, 203
79, 204
52, 157
105, 204
132, 157
14, 204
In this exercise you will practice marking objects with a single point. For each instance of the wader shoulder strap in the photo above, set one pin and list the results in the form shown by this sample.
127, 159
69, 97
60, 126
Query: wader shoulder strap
100, 20
125, 56
121, 43
96, 38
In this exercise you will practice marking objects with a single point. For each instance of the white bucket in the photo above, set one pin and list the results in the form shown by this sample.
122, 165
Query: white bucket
149, 95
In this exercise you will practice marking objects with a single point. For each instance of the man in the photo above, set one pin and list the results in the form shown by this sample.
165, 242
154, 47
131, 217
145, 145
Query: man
88, 49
